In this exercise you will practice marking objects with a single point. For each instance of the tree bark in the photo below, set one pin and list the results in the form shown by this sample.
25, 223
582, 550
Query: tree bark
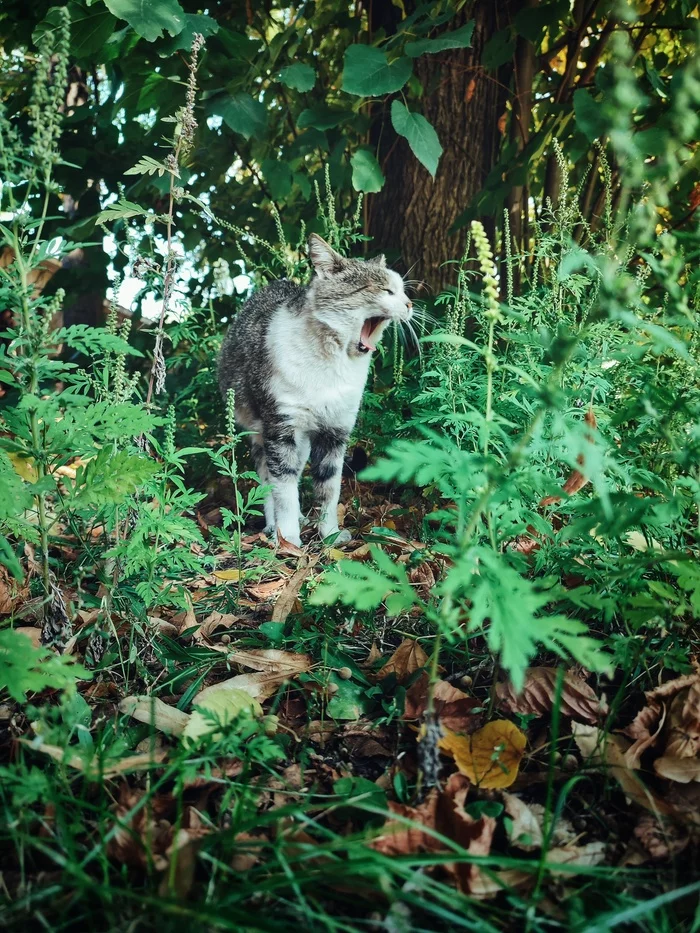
411, 218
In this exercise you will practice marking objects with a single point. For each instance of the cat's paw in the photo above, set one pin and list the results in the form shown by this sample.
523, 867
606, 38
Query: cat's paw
336, 538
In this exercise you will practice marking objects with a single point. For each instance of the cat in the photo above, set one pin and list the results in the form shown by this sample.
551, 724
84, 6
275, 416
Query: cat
298, 358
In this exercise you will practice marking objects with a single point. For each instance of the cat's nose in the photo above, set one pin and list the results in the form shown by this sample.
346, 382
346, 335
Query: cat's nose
409, 305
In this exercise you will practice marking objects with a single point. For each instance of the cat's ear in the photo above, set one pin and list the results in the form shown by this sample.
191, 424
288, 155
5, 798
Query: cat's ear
379, 261
323, 257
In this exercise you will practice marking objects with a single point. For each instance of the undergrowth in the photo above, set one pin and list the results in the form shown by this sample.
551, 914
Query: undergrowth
533, 499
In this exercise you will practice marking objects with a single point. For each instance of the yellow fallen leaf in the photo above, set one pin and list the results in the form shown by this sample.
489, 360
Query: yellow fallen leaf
24, 467
232, 575
489, 757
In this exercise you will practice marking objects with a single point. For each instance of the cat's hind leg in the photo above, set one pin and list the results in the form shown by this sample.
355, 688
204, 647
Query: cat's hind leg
327, 453
258, 452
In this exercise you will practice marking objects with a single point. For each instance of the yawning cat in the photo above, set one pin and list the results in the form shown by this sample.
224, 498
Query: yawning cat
297, 358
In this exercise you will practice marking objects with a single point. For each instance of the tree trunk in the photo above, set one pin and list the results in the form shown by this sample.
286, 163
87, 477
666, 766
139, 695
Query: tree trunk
410, 219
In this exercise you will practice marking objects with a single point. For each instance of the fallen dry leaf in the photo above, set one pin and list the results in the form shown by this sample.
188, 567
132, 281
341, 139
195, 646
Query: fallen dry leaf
577, 700
575, 480
660, 839
406, 660
611, 751
232, 575
140, 762
683, 770
526, 831
288, 597
272, 661
453, 708
258, 686
592, 853
286, 547
264, 591
155, 712
32, 633
490, 757
400, 838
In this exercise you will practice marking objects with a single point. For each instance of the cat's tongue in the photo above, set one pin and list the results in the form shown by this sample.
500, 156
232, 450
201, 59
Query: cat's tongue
366, 334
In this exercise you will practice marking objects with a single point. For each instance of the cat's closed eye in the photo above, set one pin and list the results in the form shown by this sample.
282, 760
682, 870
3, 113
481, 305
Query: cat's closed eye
389, 291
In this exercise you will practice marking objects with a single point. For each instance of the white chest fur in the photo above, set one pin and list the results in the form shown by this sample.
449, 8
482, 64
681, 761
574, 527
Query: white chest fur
311, 386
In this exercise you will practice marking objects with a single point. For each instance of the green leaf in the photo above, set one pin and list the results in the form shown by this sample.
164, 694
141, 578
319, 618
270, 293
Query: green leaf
194, 23
588, 114
89, 28
531, 22
148, 166
109, 479
368, 73
349, 701
121, 210
367, 174
299, 76
24, 668
321, 118
9, 559
278, 176
242, 113
457, 39
150, 18
421, 136
498, 50
365, 587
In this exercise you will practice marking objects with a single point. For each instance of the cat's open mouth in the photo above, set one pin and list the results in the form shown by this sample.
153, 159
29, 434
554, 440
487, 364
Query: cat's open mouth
366, 334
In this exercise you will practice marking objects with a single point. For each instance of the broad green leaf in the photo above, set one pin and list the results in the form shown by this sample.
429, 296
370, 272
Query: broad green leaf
367, 174
532, 21
368, 73
457, 39
588, 114
89, 28
498, 50
242, 113
298, 76
194, 23
150, 18
278, 176
321, 118
420, 134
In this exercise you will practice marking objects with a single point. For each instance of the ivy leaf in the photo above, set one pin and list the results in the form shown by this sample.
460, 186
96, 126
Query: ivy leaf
588, 115
299, 77
368, 73
150, 18
420, 134
242, 113
457, 39
367, 175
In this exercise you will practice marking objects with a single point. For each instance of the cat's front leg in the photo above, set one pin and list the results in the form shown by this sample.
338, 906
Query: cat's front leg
283, 458
327, 453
